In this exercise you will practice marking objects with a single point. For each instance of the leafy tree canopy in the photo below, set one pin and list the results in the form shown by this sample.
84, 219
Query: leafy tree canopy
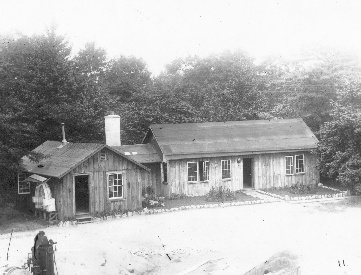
339, 148
305, 86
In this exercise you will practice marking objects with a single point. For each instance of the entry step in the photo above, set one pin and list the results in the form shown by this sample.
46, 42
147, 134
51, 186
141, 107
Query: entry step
83, 218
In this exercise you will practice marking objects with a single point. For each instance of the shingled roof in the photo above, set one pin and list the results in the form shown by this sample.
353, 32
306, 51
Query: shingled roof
193, 140
59, 160
142, 153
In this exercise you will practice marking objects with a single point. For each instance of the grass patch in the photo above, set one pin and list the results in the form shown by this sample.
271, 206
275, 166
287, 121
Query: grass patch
201, 200
12, 219
336, 185
289, 192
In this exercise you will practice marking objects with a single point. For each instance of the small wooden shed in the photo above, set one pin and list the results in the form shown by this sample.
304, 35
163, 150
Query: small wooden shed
85, 178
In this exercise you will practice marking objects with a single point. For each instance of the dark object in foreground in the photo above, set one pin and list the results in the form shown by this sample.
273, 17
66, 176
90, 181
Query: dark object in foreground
42, 256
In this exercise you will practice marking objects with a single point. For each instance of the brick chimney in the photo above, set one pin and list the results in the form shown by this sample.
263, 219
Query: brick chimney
112, 130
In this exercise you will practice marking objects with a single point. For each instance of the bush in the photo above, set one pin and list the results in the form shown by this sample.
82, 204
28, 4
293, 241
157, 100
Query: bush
148, 191
302, 189
357, 189
150, 203
220, 194
339, 148
149, 198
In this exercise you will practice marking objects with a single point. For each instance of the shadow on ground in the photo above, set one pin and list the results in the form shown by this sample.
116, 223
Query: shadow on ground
335, 206
11, 219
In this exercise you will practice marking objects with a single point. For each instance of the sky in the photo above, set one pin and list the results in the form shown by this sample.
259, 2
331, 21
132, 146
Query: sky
159, 31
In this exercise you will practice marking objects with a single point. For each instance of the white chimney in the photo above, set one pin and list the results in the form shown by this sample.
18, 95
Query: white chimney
112, 130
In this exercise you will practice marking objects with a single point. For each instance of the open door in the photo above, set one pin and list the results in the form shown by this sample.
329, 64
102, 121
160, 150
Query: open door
247, 173
81, 194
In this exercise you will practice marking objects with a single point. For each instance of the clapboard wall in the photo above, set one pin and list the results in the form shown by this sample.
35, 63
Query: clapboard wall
134, 177
268, 170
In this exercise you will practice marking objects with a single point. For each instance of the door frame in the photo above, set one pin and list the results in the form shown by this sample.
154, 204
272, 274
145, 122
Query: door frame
252, 172
74, 189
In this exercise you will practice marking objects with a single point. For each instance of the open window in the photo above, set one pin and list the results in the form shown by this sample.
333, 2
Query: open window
198, 171
299, 164
289, 165
295, 164
203, 170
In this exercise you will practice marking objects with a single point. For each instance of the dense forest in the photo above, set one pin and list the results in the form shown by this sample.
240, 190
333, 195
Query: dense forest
44, 83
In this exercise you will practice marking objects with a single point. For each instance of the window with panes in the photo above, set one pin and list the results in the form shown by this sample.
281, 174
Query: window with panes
226, 169
115, 185
289, 165
299, 164
198, 171
23, 185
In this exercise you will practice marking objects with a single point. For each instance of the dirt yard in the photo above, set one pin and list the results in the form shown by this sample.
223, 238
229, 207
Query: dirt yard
325, 239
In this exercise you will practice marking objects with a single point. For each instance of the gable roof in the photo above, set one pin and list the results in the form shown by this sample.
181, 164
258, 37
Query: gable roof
193, 140
142, 153
60, 159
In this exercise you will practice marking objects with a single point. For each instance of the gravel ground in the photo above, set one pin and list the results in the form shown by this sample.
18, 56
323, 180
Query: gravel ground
235, 239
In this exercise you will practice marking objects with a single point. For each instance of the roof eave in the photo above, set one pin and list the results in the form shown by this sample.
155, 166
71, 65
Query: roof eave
43, 174
89, 156
226, 154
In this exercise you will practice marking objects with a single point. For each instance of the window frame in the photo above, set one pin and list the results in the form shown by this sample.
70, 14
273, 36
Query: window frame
197, 171
102, 154
297, 163
20, 190
292, 166
164, 172
205, 170
122, 185
222, 168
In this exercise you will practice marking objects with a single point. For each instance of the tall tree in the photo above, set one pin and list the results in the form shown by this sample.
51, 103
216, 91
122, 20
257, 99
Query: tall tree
40, 88
221, 87
34, 76
89, 67
126, 77
306, 85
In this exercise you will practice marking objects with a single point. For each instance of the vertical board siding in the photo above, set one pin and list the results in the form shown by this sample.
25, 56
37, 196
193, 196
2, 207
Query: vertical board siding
99, 202
269, 170
155, 178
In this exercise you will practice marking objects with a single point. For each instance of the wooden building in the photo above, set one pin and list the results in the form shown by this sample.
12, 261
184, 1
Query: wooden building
187, 158
84, 178
194, 157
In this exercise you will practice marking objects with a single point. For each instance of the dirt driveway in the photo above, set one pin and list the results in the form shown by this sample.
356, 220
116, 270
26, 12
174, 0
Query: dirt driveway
241, 236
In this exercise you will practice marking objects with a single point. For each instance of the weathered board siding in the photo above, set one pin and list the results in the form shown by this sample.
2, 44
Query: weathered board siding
268, 170
134, 179
156, 179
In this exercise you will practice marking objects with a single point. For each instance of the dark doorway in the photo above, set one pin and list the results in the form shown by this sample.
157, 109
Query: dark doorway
82, 194
247, 173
